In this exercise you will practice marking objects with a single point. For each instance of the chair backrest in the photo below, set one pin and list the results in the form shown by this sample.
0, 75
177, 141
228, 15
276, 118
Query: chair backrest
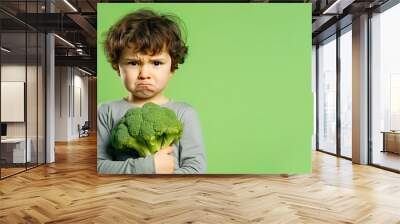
86, 125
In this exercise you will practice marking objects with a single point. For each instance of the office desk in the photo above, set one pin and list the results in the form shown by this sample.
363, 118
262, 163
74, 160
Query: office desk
13, 150
391, 141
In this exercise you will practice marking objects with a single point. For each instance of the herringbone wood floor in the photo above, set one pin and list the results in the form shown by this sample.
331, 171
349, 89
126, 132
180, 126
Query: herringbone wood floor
70, 191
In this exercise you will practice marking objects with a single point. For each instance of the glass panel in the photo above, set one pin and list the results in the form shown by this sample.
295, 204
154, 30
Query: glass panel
31, 100
346, 93
386, 89
23, 87
14, 153
32, 88
327, 96
41, 99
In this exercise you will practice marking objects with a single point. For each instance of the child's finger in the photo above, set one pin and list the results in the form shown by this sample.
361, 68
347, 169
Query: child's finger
168, 150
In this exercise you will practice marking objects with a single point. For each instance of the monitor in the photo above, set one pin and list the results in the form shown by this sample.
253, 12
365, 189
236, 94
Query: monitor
3, 129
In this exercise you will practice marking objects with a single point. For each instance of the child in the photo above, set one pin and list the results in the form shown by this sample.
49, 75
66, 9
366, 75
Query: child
145, 49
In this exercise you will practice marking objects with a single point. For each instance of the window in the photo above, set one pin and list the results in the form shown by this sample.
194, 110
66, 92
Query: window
327, 95
346, 92
385, 88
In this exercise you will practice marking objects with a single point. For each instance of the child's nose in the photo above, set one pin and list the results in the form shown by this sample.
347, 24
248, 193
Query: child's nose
144, 72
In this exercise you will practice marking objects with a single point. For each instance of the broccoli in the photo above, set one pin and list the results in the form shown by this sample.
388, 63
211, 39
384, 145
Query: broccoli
146, 130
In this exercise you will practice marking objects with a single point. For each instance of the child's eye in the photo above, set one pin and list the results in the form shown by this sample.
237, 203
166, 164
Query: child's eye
134, 63
157, 63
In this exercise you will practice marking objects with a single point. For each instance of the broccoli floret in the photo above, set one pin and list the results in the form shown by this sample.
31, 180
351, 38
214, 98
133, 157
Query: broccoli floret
146, 129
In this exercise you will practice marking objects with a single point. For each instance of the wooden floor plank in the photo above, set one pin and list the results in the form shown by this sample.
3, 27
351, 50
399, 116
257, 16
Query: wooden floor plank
70, 191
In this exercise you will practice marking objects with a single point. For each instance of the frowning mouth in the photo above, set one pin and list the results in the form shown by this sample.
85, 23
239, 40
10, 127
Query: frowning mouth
143, 84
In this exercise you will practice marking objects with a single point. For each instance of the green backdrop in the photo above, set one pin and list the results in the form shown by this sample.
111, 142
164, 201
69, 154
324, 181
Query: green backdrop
248, 75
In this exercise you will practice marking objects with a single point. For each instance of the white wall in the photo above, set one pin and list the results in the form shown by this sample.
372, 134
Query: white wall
68, 83
12, 73
61, 103
80, 84
34, 125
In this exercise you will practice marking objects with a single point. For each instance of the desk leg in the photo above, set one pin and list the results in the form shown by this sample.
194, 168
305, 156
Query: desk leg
384, 143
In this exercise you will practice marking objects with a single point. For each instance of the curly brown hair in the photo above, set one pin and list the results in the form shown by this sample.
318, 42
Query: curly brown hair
146, 32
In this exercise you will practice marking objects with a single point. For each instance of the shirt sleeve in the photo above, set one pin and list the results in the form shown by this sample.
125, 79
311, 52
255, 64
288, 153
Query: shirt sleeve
105, 164
192, 158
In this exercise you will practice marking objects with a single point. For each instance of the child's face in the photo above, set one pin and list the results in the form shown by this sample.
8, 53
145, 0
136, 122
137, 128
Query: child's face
145, 76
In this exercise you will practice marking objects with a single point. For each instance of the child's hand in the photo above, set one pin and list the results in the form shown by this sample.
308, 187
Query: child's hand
164, 162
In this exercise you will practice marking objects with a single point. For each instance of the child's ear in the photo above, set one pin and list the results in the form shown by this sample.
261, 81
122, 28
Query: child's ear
116, 68
172, 73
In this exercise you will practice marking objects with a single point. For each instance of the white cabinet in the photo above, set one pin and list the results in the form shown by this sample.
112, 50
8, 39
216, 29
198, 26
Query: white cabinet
17, 146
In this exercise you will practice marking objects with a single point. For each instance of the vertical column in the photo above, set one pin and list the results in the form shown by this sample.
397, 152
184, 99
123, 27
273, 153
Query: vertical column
360, 90
314, 92
50, 92
338, 98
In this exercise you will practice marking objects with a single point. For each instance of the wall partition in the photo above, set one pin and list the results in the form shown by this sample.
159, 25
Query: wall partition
22, 77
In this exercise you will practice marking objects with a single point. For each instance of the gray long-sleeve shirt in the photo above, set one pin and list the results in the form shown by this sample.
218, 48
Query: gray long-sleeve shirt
189, 152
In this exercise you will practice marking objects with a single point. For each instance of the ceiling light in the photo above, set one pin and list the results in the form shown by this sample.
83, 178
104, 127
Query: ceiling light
84, 71
338, 6
5, 50
64, 40
70, 5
